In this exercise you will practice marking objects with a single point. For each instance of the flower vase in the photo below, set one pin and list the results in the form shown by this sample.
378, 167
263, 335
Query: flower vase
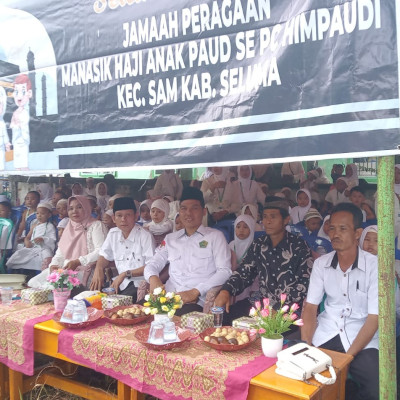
271, 347
161, 318
60, 299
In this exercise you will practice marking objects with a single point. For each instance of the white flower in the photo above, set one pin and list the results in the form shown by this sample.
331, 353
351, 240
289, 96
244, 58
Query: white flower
147, 310
147, 297
169, 295
171, 313
157, 291
153, 311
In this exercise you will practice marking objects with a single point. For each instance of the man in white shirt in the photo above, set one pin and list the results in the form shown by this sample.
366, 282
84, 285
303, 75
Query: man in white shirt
349, 278
199, 257
129, 246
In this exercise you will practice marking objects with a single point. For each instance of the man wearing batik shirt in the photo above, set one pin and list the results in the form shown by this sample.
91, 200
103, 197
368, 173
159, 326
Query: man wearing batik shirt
281, 261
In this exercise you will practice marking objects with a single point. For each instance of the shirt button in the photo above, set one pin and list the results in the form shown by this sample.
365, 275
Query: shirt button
341, 316
341, 330
128, 259
344, 275
344, 294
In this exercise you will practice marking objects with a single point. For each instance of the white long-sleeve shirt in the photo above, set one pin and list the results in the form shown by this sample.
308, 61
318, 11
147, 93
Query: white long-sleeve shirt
200, 261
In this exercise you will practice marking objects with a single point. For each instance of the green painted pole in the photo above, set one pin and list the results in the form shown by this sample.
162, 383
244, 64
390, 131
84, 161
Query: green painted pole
387, 311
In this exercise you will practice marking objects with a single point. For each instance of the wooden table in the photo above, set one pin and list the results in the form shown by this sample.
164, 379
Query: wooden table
267, 385
46, 342
270, 385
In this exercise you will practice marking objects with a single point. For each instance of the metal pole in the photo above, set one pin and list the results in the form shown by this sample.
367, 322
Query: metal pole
387, 312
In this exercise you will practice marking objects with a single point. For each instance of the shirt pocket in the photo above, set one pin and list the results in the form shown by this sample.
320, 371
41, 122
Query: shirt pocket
360, 304
201, 262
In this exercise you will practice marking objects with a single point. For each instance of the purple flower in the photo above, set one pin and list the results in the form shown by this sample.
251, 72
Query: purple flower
261, 330
53, 277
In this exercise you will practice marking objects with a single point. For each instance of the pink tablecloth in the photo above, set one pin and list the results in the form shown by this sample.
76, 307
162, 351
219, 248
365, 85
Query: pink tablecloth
193, 371
17, 323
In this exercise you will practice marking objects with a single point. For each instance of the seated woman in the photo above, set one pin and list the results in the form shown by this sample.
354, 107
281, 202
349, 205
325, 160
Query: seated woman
39, 244
160, 225
144, 212
79, 245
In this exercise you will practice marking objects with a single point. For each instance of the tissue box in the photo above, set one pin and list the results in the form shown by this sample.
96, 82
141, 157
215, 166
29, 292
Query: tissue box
115, 300
243, 323
197, 321
36, 296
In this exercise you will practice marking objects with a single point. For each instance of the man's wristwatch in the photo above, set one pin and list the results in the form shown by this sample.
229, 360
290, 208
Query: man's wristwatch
128, 274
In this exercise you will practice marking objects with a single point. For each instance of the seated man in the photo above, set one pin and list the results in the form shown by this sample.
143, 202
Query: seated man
199, 257
349, 278
281, 261
129, 246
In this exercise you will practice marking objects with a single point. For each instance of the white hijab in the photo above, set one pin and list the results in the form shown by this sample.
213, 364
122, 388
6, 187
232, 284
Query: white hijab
321, 232
353, 179
240, 246
297, 213
102, 200
397, 185
166, 225
371, 228
46, 192
253, 211
147, 203
223, 176
245, 183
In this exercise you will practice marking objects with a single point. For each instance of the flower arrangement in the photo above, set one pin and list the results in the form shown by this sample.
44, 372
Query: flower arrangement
63, 279
271, 323
160, 302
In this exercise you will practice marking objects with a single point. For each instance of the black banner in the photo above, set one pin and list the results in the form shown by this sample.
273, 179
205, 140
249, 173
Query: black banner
119, 83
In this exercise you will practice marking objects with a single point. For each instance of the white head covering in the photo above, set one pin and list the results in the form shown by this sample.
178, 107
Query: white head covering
353, 179
46, 192
240, 246
223, 175
102, 199
321, 232
371, 228
44, 204
397, 185
297, 213
253, 211
166, 225
147, 203
322, 178
176, 216
245, 183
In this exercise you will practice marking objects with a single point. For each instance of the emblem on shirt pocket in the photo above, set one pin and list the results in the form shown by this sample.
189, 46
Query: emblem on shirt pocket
162, 244
203, 244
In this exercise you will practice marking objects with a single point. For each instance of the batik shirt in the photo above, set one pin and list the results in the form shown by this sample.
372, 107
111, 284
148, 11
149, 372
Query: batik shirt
285, 268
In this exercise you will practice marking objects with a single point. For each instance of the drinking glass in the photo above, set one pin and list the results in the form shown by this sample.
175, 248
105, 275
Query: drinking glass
6, 295
156, 334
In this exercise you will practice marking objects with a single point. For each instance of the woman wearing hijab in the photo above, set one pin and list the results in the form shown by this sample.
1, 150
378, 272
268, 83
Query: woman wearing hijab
303, 198
144, 212
322, 178
79, 245
249, 190
351, 176
168, 184
77, 189
46, 192
220, 195
102, 196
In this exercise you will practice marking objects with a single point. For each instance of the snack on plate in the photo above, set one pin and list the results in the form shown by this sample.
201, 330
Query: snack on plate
128, 313
228, 336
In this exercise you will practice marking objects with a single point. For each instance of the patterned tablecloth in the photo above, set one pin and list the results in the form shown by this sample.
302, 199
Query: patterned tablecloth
17, 323
191, 371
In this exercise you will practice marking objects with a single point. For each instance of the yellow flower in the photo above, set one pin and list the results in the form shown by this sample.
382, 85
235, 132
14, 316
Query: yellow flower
171, 313
163, 292
177, 298
153, 311
147, 304
163, 300
176, 306
164, 308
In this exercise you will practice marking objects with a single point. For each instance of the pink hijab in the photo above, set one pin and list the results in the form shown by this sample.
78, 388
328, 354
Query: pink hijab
73, 242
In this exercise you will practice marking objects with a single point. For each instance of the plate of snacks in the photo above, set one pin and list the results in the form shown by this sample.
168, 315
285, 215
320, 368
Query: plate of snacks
126, 315
227, 338
184, 335
93, 315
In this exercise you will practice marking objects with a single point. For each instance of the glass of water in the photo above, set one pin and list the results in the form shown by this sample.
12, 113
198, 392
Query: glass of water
6, 295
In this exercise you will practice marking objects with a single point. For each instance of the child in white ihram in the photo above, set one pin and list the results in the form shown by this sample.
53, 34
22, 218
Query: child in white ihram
39, 243
160, 225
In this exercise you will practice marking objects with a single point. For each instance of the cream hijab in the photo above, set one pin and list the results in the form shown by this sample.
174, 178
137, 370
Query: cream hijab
166, 225
240, 246
297, 213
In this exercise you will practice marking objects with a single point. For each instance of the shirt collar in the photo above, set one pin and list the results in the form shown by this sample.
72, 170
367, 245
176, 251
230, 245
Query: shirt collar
335, 262
283, 244
201, 230
132, 234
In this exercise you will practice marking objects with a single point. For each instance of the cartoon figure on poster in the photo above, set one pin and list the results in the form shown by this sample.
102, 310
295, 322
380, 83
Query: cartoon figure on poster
20, 121
5, 144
